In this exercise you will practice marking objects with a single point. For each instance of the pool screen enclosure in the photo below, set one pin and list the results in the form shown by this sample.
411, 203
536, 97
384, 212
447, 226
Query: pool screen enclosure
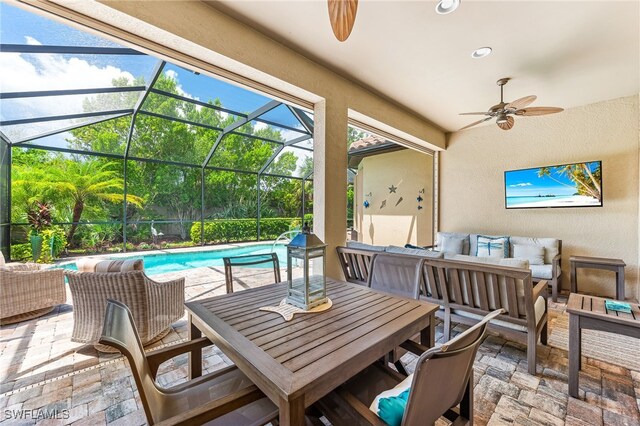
151, 145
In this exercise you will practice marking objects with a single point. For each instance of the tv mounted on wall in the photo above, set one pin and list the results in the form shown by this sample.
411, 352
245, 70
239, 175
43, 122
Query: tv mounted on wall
565, 185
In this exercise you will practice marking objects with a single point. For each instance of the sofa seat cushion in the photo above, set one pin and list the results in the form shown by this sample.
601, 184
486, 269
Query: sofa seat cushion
543, 272
513, 263
414, 252
540, 307
364, 246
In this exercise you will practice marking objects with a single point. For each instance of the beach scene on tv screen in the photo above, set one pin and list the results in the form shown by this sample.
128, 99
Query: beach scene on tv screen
569, 185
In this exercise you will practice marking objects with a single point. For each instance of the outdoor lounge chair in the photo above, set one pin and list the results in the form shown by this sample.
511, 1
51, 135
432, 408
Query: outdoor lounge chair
442, 381
154, 305
225, 397
249, 260
29, 291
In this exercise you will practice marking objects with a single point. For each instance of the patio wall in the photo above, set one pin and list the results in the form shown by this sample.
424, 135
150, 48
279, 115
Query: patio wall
400, 221
472, 184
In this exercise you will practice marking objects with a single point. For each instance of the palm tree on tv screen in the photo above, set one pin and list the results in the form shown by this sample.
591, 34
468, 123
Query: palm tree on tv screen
587, 182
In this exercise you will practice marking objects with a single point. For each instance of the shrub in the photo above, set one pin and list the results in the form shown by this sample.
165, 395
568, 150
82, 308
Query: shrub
22, 252
233, 230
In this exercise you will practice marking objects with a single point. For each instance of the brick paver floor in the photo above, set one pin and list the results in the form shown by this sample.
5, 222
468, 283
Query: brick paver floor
42, 371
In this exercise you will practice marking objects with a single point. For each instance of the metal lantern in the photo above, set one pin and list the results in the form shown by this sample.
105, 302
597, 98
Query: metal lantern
311, 290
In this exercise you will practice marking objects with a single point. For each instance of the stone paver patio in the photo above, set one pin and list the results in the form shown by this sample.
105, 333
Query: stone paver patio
42, 371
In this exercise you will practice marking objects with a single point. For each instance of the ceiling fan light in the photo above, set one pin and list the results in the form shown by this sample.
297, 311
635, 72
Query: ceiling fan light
502, 118
447, 6
481, 52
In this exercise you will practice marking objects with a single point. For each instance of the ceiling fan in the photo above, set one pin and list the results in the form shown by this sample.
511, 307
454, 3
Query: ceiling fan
504, 112
342, 14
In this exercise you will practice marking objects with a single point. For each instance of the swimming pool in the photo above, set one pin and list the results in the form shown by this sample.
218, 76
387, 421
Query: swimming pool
172, 262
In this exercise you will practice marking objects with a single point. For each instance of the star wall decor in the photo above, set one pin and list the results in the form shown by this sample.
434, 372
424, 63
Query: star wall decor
392, 189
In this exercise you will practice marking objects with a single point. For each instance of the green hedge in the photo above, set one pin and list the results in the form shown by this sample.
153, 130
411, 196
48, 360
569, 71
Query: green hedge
233, 230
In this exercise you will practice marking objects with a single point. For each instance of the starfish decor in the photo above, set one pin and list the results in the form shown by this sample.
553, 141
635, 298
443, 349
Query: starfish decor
392, 189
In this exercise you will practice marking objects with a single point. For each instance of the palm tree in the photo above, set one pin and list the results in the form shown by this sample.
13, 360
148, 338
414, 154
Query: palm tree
580, 174
85, 183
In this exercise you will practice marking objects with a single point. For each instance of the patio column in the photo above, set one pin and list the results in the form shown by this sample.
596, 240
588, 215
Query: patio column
330, 179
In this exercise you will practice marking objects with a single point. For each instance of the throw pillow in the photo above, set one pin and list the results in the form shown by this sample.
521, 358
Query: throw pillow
390, 404
493, 246
452, 245
534, 254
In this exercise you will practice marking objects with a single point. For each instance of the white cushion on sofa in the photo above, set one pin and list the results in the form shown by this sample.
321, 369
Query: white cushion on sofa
514, 263
534, 254
364, 246
539, 308
413, 252
551, 245
455, 235
544, 272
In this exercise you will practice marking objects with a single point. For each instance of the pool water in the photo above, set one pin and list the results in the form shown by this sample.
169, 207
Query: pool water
173, 262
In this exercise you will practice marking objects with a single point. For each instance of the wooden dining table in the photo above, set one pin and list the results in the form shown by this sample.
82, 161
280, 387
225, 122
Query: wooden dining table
297, 362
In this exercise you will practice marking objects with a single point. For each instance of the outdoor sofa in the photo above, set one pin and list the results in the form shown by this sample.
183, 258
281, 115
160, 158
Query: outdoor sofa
466, 291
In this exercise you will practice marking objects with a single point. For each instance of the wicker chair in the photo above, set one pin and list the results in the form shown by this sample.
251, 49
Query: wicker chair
29, 291
154, 305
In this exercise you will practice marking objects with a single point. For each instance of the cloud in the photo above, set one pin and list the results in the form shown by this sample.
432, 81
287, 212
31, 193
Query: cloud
521, 184
34, 72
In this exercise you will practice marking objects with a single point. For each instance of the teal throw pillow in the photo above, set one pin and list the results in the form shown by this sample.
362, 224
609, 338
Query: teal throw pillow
391, 409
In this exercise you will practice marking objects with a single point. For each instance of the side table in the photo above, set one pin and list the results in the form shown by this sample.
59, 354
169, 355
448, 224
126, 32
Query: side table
615, 265
589, 312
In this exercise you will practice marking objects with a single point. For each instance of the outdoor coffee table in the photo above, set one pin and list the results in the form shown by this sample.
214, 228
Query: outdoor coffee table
615, 265
296, 363
589, 312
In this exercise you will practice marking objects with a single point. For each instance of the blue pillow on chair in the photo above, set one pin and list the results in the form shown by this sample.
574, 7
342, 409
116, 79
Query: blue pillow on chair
391, 404
391, 409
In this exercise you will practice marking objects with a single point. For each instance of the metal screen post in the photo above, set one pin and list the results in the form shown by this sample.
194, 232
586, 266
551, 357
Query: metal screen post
258, 215
202, 208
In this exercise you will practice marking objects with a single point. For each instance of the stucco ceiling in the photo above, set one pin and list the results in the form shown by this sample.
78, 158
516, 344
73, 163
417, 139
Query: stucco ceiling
568, 53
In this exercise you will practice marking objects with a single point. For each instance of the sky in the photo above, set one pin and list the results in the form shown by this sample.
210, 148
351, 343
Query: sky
526, 183
32, 72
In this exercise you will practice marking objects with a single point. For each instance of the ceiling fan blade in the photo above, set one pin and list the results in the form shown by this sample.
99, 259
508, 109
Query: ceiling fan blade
473, 113
475, 122
342, 14
538, 111
521, 103
508, 124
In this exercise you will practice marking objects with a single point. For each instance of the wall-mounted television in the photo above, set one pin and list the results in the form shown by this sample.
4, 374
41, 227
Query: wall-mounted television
564, 185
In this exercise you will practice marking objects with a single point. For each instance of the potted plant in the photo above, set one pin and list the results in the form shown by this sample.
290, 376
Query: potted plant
39, 218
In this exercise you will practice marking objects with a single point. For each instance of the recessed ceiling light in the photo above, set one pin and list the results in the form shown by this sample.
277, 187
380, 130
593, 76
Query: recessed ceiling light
481, 52
447, 6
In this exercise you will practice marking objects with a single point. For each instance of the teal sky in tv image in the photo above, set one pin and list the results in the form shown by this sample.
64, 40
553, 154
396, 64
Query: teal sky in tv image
564, 185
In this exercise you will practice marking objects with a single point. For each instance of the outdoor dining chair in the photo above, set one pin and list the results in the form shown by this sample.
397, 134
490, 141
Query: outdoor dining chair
400, 276
441, 386
249, 260
223, 398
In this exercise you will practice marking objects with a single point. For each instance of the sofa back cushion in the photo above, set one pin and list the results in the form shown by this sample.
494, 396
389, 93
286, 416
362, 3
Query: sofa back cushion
534, 254
453, 236
414, 252
551, 246
364, 246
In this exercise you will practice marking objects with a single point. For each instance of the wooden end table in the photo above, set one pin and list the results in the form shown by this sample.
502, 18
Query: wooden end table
589, 312
615, 265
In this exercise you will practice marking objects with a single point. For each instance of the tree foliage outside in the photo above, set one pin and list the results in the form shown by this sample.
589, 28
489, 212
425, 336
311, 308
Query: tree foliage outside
89, 188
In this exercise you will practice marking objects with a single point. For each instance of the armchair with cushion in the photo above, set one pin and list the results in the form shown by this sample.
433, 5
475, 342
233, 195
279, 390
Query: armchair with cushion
154, 305
29, 291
